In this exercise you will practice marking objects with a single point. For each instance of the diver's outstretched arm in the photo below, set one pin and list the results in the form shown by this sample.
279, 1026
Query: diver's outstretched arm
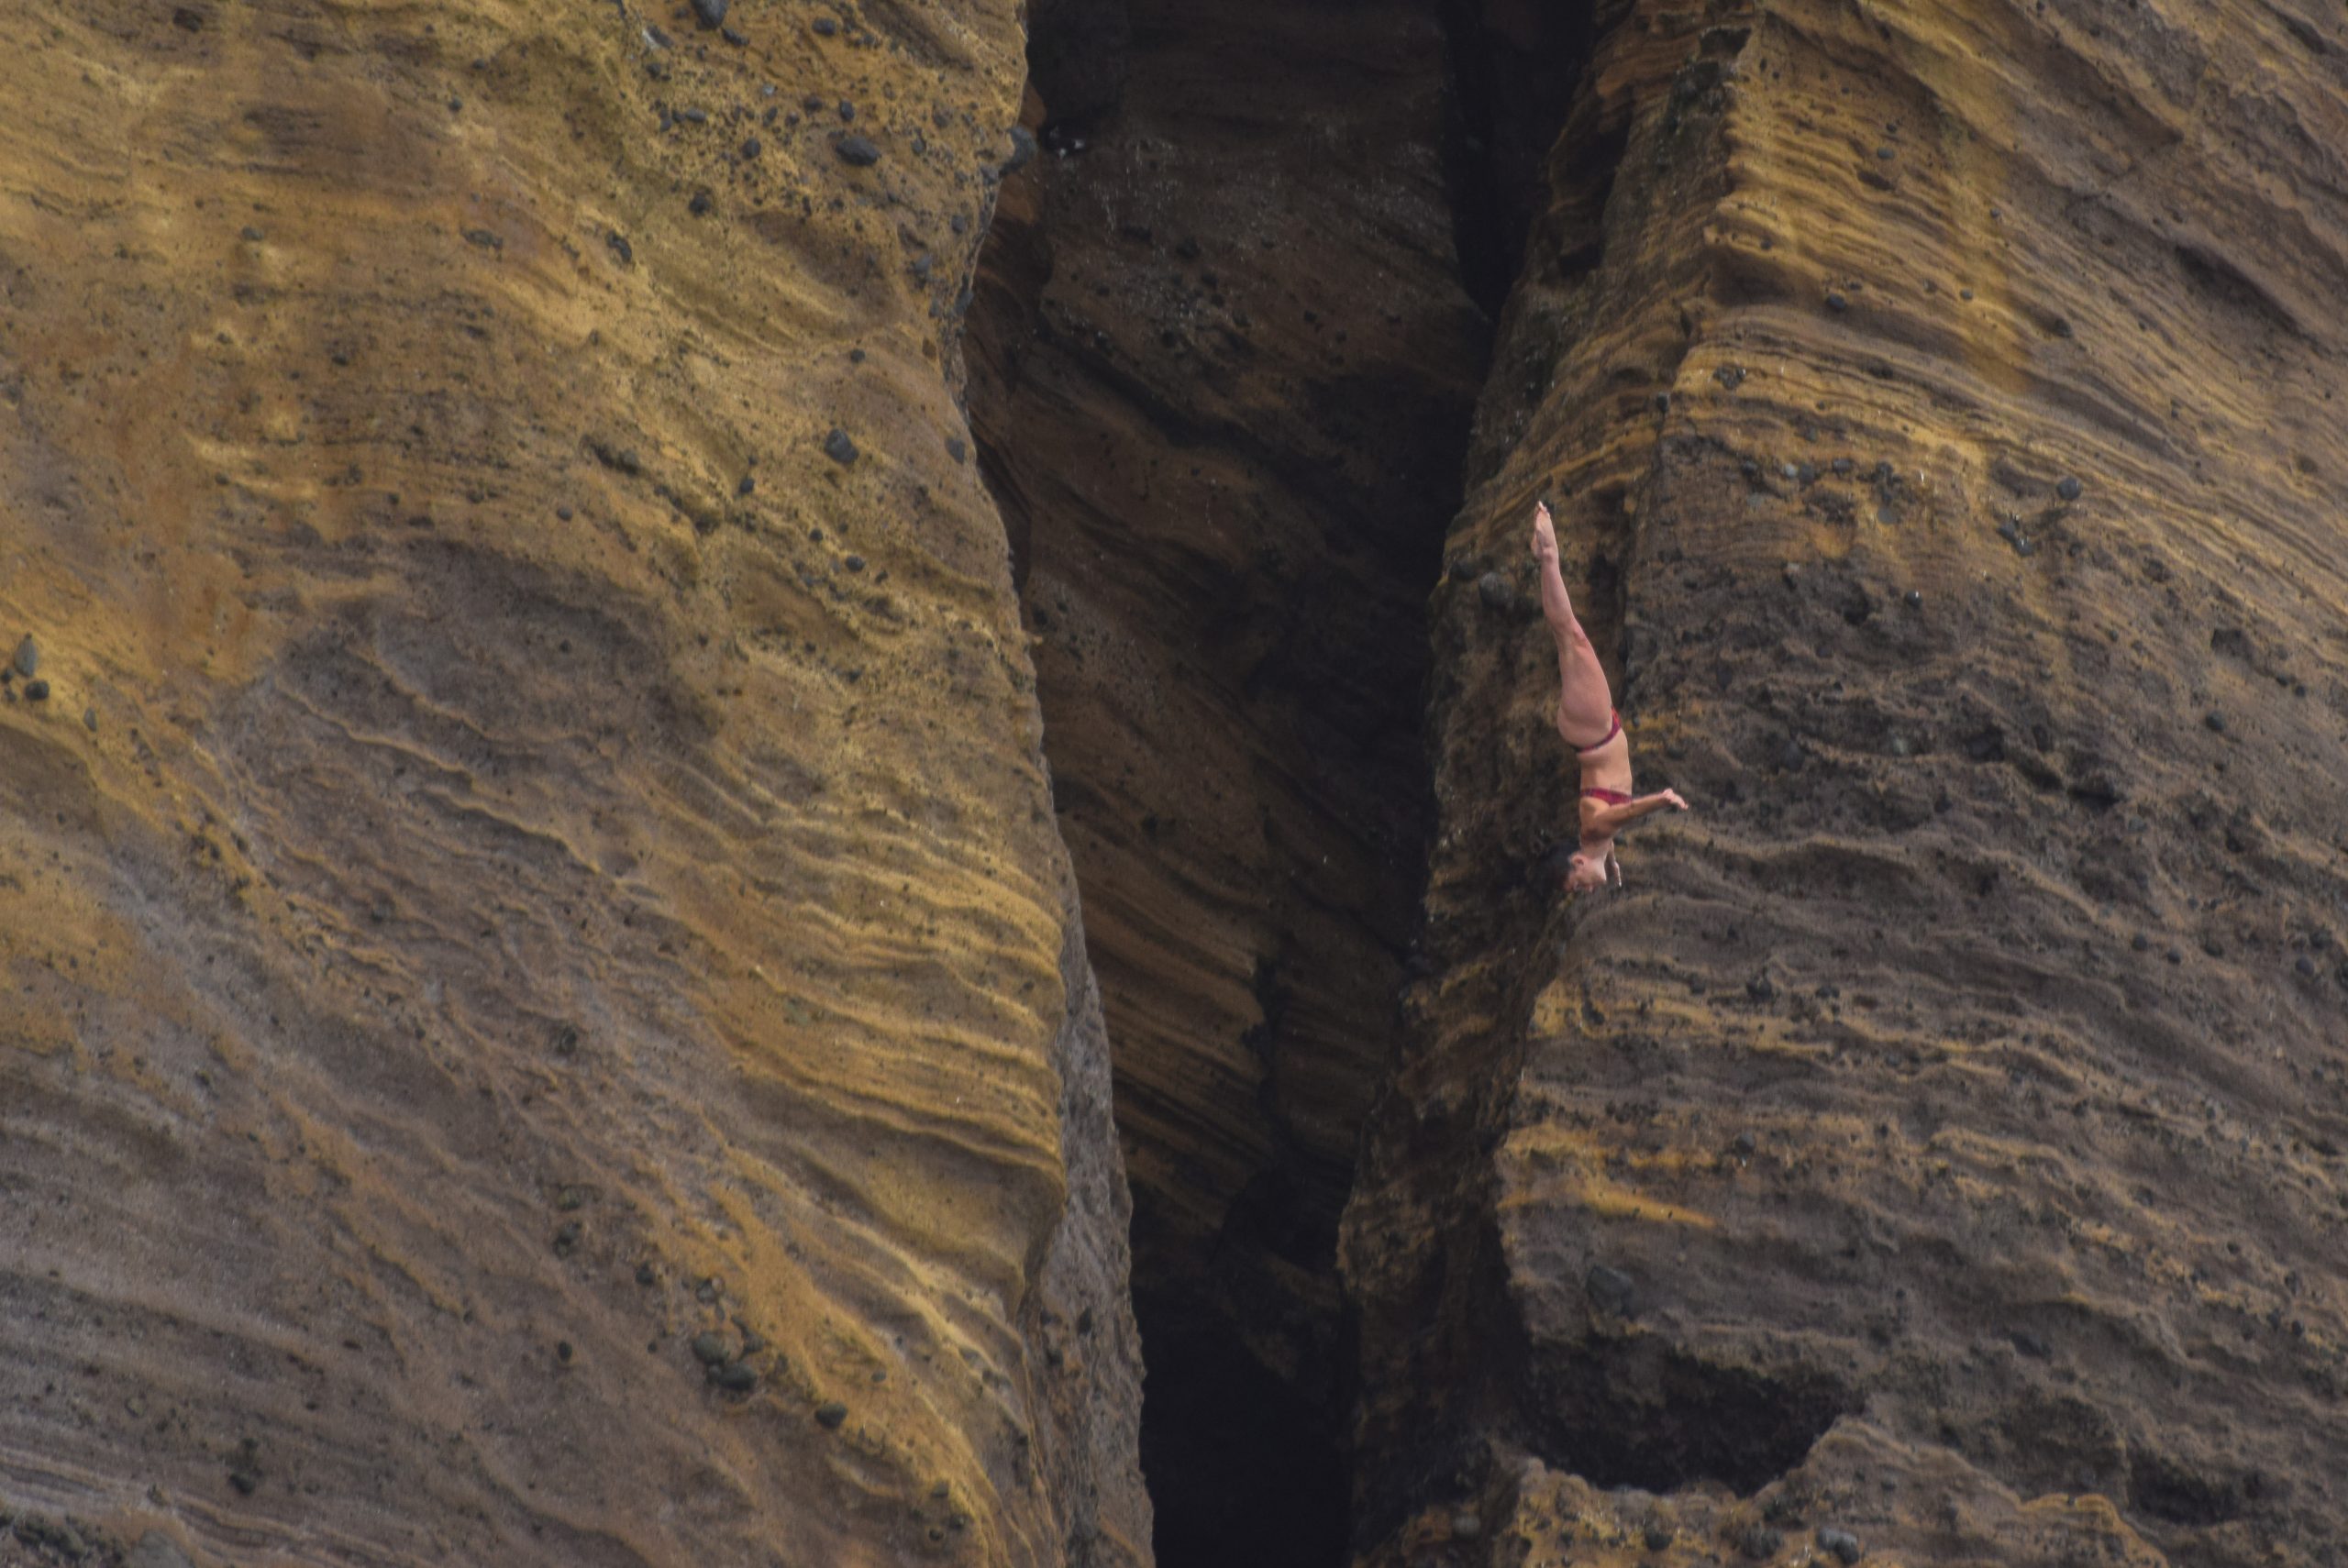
1614, 819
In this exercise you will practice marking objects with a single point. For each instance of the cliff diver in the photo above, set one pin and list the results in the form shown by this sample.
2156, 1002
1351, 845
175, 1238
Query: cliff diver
1587, 720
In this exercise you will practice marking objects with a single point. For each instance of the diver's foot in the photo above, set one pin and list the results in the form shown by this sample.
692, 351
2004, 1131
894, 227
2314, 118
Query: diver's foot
1544, 535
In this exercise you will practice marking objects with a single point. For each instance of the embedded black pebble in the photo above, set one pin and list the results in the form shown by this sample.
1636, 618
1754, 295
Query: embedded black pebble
709, 12
857, 151
956, 450
838, 448
829, 1416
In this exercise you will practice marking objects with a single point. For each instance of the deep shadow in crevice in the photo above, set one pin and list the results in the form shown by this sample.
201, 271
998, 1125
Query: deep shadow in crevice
1513, 68
1243, 1471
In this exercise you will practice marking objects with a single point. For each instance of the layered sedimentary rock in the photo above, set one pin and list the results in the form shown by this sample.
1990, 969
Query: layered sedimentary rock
541, 1010
1221, 371
1940, 1141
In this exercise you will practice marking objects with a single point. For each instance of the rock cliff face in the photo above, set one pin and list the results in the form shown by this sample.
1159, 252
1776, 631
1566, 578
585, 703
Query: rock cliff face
1221, 371
1940, 1140
544, 1016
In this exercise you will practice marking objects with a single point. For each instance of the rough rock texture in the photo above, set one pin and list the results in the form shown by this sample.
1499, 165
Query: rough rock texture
1962, 1083
1222, 371
542, 1017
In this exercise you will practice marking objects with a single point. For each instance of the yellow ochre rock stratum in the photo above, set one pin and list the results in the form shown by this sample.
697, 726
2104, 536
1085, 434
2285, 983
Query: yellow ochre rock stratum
541, 1017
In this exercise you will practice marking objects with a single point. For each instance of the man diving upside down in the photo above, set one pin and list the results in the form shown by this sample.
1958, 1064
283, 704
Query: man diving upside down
1587, 718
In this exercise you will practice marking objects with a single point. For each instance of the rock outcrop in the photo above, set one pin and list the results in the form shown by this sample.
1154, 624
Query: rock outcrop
1222, 368
544, 1019
1937, 1151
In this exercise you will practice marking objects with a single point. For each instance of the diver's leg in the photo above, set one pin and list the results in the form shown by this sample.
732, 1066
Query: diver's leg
1585, 703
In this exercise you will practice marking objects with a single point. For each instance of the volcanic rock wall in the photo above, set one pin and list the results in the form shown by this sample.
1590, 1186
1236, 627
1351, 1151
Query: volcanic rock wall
1940, 1141
1222, 371
544, 1016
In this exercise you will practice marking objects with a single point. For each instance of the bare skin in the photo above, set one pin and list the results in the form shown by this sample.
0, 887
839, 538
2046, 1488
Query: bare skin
1585, 720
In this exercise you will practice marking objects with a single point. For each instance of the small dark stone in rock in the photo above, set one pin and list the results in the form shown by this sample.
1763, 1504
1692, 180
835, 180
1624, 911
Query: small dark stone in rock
1790, 756
956, 450
253, 234
826, 26
2030, 1344
2068, 488
1729, 376
567, 1238
838, 448
1657, 1538
1760, 987
647, 1274
245, 1482
659, 39
2141, 943
1835, 301
830, 1414
563, 1352
1745, 1143
751, 147
1841, 1542
1611, 1289
848, 110
89, 723
1760, 1542
2217, 721
1662, 402
737, 1378
36, 691
1841, 465
1913, 600
620, 246
709, 12
701, 204
562, 513
1496, 591
712, 1349
749, 482
854, 563
1883, 152
27, 659
2304, 965
734, 36
857, 151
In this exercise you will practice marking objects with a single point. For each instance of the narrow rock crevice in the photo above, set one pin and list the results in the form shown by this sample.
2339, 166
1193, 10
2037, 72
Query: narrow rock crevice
1223, 368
